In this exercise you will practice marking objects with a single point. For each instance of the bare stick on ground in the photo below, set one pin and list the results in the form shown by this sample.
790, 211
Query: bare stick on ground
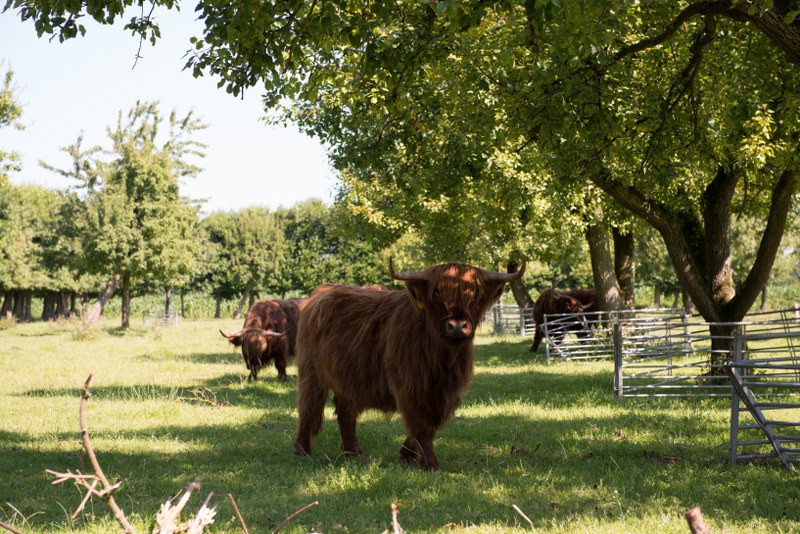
9, 528
396, 528
695, 520
89, 482
522, 514
300, 511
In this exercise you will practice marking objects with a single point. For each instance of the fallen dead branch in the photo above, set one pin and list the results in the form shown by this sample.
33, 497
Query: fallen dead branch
522, 514
167, 518
396, 529
300, 511
9, 528
695, 520
90, 482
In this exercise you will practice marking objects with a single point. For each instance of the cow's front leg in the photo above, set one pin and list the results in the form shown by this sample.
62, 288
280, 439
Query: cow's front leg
346, 417
280, 366
418, 445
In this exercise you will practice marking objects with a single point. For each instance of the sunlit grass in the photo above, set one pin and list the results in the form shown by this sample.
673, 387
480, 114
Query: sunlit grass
173, 406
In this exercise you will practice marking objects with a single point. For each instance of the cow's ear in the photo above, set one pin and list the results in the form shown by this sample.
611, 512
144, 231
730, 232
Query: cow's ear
418, 289
494, 290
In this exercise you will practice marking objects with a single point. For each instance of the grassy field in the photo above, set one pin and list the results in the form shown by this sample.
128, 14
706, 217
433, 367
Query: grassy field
173, 405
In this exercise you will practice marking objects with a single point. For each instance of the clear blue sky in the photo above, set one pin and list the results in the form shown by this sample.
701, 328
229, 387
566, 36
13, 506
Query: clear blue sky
80, 85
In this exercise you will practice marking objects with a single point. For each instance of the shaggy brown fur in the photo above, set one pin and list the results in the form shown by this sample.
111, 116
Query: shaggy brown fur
409, 351
551, 301
269, 333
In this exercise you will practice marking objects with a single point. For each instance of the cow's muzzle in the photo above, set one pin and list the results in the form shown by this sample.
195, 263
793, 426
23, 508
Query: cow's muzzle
458, 328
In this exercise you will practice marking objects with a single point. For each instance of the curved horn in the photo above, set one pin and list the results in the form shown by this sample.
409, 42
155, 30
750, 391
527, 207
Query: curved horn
506, 277
272, 333
229, 336
406, 276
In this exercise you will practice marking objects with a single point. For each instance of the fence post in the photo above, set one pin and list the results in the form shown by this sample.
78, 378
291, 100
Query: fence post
618, 386
733, 441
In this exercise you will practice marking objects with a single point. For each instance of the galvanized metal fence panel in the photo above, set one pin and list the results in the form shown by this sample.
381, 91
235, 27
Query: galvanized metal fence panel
154, 318
764, 371
678, 360
512, 320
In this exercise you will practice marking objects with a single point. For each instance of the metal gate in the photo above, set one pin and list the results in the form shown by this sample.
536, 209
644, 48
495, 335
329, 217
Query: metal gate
765, 405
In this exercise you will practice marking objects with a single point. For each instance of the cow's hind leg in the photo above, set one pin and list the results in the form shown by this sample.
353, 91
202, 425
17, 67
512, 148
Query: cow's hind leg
346, 416
311, 395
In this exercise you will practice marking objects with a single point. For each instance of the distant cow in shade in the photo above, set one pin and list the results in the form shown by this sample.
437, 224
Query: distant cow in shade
409, 351
551, 301
269, 333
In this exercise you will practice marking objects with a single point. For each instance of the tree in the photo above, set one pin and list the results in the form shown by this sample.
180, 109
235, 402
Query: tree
683, 114
10, 111
323, 249
136, 224
643, 103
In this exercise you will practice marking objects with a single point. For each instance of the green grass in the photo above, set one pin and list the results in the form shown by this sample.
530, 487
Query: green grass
173, 405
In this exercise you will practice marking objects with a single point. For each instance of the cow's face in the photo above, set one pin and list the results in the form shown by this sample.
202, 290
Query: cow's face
570, 305
255, 342
454, 296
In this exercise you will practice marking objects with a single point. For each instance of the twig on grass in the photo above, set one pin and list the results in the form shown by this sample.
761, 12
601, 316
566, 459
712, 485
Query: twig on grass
9, 528
521, 513
168, 514
236, 509
300, 511
396, 528
695, 520
84, 480
167, 517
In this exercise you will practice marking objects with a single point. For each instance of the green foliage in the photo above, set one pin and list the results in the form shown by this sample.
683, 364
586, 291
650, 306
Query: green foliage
246, 251
175, 407
10, 112
28, 221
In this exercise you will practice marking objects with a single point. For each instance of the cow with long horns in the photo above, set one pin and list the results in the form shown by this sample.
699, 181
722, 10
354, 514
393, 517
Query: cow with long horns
552, 302
409, 351
269, 334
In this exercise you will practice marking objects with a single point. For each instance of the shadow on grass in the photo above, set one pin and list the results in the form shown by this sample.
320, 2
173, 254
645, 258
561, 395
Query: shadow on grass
554, 470
540, 450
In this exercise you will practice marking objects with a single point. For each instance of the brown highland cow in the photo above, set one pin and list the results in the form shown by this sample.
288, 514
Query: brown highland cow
409, 351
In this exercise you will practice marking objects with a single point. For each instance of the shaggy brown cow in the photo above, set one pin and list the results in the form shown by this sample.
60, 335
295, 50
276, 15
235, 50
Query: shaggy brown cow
409, 351
269, 333
551, 301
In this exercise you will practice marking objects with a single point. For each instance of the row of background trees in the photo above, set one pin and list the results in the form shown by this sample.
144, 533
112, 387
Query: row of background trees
124, 224
498, 130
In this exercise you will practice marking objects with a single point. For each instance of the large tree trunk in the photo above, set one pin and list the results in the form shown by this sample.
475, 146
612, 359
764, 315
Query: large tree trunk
22, 306
700, 253
625, 267
49, 306
605, 279
518, 288
95, 311
73, 309
126, 300
62, 304
237, 314
167, 300
6, 311
657, 291
217, 306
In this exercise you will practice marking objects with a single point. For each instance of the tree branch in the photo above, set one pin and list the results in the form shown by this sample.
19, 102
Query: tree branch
782, 198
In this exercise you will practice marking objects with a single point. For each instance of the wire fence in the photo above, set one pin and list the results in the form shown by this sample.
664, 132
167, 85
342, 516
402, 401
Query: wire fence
667, 353
157, 318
